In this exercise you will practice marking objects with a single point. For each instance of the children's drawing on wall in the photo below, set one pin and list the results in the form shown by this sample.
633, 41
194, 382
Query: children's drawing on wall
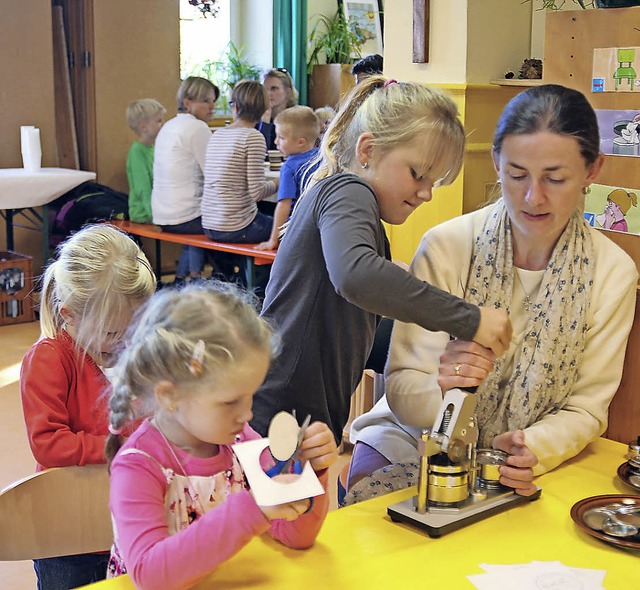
619, 132
614, 69
613, 208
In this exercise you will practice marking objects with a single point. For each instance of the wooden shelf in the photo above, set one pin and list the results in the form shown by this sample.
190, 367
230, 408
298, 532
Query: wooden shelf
516, 82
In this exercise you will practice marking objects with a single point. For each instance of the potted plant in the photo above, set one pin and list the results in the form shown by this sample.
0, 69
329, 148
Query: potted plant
334, 43
231, 66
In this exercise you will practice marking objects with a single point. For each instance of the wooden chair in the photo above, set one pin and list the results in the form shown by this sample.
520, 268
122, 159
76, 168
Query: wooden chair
624, 411
59, 511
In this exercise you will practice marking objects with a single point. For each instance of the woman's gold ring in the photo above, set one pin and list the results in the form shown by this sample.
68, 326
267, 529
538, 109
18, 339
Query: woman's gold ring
457, 369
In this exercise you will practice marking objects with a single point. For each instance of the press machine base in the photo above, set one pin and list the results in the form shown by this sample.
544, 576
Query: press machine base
440, 520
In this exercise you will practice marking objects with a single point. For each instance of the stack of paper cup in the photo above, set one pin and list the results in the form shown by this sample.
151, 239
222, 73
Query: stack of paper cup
31, 148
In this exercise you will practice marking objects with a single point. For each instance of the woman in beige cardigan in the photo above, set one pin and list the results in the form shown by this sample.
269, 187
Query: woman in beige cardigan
569, 291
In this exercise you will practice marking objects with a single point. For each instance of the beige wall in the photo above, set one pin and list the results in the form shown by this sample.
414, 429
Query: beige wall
471, 41
136, 55
499, 38
448, 46
249, 31
26, 92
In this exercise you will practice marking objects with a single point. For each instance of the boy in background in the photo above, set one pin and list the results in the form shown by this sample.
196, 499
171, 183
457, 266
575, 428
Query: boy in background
297, 130
325, 115
144, 116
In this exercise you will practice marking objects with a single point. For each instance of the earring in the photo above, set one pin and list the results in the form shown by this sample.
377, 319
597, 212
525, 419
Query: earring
171, 409
586, 190
365, 165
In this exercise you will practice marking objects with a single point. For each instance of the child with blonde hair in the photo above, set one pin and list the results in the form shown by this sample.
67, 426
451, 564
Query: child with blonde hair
179, 498
144, 116
89, 295
388, 147
325, 115
297, 130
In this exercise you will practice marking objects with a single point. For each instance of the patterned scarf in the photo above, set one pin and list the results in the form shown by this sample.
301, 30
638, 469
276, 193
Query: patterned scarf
546, 361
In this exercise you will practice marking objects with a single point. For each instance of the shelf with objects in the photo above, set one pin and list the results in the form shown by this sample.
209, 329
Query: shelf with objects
574, 42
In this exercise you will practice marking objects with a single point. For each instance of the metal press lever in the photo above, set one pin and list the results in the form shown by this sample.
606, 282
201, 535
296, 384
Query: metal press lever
454, 432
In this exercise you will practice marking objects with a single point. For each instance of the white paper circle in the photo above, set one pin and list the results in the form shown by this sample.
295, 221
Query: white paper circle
283, 435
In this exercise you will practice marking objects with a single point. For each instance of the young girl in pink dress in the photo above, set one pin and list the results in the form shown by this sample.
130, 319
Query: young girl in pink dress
179, 498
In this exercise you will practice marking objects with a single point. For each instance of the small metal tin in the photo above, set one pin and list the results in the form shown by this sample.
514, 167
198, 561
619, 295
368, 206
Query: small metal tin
633, 455
490, 461
491, 457
633, 451
634, 464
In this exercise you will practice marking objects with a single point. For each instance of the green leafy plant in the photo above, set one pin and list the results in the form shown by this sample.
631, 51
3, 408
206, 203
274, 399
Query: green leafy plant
229, 68
234, 66
335, 38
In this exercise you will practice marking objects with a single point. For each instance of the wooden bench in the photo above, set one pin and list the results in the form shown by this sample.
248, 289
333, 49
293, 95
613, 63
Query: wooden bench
252, 256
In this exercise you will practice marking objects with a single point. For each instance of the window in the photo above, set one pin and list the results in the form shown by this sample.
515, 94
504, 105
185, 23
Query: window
203, 39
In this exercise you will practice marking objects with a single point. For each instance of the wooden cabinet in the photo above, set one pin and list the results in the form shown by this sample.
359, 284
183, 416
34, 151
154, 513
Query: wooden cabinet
570, 38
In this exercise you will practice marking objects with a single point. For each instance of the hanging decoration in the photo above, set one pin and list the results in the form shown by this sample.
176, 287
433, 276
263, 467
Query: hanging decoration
207, 7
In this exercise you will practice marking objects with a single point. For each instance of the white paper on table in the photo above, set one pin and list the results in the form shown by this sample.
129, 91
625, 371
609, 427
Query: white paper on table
265, 490
535, 575
31, 148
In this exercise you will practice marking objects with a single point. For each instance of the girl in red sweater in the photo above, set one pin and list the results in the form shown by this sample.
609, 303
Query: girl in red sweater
88, 297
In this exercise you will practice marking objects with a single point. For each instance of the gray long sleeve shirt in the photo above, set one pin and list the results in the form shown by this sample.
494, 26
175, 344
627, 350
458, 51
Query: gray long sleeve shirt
329, 285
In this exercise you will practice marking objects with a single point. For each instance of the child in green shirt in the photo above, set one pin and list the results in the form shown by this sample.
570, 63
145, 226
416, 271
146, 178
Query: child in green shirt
144, 116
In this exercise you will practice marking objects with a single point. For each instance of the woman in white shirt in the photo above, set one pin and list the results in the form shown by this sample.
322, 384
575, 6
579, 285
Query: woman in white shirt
178, 169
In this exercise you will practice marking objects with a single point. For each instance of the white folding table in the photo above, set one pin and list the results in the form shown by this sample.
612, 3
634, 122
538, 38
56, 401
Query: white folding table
21, 192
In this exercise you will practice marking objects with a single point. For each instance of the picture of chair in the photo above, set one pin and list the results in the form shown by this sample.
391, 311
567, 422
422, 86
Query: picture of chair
625, 71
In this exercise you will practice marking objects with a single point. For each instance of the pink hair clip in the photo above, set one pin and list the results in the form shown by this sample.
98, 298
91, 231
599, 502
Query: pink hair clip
389, 82
115, 431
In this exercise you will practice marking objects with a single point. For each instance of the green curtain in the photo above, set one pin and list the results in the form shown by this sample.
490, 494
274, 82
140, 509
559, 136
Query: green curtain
290, 41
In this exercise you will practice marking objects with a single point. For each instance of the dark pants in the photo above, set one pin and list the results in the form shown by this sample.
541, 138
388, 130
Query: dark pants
259, 230
192, 258
70, 571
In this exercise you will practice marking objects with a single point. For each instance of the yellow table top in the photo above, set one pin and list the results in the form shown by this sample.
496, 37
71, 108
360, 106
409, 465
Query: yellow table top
359, 546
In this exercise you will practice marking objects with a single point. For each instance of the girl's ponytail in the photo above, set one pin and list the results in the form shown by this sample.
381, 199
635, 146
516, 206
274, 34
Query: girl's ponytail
121, 406
50, 319
338, 147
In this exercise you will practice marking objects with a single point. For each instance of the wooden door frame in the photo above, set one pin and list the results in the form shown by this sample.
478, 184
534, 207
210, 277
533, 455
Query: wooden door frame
78, 21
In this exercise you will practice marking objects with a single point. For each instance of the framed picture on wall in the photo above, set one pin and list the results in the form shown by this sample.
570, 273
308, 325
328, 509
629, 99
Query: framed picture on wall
367, 18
